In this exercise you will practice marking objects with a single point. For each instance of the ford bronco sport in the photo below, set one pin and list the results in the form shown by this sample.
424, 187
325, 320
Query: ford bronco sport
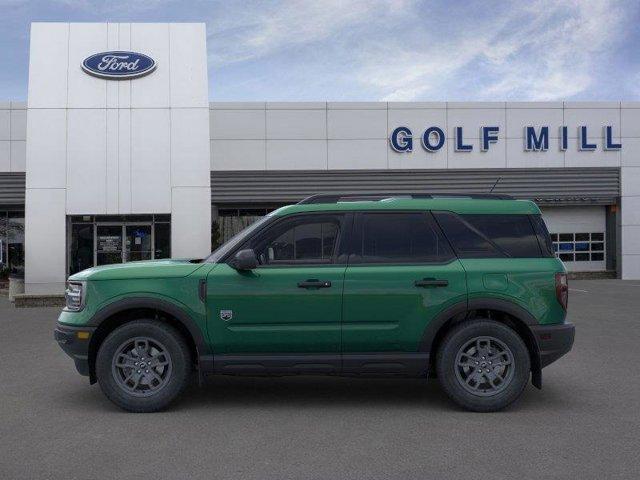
465, 288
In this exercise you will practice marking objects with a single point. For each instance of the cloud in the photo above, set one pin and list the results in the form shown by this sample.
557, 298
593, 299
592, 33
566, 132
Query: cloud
540, 51
260, 29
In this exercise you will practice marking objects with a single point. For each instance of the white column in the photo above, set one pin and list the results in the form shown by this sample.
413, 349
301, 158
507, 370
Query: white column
630, 191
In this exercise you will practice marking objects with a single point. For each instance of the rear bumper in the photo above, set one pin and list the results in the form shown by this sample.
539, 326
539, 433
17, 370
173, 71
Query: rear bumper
553, 341
77, 348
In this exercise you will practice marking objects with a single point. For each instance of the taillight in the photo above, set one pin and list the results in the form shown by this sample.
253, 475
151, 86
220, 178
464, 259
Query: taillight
562, 289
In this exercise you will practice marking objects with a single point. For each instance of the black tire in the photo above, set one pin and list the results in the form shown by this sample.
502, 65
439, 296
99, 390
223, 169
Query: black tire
169, 379
480, 394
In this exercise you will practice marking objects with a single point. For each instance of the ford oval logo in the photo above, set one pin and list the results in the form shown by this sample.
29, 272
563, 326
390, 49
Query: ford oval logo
118, 65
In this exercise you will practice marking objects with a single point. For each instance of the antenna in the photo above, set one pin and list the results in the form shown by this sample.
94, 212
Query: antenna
494, 185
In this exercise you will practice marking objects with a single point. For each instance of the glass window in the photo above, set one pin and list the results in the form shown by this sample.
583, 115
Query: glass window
544, 239
163, 240
514, 234
81, 253
579, 247
467, 241
401, 238
298, 240
15, 242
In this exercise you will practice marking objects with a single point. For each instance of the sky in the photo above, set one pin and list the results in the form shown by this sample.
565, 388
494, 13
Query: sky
377, 50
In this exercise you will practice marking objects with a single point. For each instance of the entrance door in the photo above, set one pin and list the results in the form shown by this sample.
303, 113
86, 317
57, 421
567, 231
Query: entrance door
138, 244
108, 244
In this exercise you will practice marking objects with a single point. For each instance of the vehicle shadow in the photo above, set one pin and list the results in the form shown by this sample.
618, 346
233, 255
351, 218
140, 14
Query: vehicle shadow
315, 391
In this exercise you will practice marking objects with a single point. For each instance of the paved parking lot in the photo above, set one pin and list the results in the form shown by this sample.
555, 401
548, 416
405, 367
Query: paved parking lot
583, 424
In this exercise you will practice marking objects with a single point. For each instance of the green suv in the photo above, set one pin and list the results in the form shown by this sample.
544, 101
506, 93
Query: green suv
465, 288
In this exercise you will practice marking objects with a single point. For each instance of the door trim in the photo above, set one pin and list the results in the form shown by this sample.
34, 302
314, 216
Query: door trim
412, 364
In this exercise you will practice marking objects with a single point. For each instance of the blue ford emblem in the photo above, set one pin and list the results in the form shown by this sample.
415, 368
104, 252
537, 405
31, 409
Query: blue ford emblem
118, 65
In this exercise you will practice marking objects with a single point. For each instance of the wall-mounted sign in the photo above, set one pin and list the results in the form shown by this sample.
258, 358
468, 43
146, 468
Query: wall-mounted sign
535, 139
118, 65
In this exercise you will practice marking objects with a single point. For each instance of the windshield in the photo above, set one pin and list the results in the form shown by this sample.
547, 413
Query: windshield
236, 240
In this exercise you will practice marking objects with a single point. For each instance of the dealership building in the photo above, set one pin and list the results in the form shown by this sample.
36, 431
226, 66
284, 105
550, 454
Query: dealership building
118, 155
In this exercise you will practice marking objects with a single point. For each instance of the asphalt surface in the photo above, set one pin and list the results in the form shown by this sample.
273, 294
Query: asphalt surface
585, 423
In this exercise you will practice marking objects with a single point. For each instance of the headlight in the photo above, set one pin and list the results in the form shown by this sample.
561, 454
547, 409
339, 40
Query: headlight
74, 296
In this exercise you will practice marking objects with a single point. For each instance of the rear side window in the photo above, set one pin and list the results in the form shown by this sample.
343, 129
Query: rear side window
467, 241
546, 245
399, 238
482, 236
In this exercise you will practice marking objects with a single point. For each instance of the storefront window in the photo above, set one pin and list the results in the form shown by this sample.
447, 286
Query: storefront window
163, 240
107, 239
11, 243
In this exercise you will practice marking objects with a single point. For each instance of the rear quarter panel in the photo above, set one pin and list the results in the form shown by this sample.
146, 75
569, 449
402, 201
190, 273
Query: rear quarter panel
527, 282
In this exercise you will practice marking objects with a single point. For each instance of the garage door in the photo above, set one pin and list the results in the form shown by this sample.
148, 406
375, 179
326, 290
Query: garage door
579, 236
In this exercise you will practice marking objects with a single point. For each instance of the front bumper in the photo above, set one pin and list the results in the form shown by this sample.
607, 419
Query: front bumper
553, 341
75, 343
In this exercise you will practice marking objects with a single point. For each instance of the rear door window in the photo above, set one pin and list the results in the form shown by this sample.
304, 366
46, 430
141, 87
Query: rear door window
399, 237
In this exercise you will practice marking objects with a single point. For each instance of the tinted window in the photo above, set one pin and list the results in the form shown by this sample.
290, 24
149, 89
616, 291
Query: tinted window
544, 239
482, 236
467, 241
514, 234
298, 240
400, 238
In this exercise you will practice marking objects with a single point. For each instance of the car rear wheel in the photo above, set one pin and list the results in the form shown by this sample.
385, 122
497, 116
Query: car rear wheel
143, 365
483, 365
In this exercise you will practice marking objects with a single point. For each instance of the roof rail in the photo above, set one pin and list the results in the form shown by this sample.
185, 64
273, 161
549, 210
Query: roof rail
355, 197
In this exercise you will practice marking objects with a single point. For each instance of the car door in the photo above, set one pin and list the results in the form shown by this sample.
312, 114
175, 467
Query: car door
292, 302
401, 274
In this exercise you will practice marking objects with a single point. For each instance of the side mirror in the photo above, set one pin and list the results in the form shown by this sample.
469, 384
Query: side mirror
244, 260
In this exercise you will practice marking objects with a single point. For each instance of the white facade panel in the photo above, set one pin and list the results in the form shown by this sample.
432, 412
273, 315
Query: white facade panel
190, 164
5, 156
188, 54
598, 158
111, 160
592, 118
48, 65
630, 122
418, 159
150, 160
296, 155
517, 157
357, 154
238, 124
45, 240
85, 91
494, 157
86, 161
153, 90
47, 148
519, 118
238, 155
18, 156
124, 86
191, 222
417, 120
296, 124
18, 124
124, 161
471, 119
630, 154
5, 124
356, 124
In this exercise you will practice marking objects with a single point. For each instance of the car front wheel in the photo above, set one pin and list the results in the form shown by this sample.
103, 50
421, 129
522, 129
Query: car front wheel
483, 365
143, 366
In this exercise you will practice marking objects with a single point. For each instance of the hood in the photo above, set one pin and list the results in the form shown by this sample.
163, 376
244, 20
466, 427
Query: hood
136, 270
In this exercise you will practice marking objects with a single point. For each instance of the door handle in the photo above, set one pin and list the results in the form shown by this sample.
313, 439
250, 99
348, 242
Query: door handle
431, 282
313, 283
